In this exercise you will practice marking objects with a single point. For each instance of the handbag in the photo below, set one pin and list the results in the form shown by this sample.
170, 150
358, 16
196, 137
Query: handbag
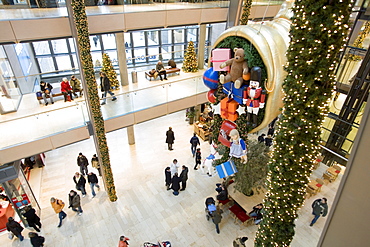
10, 235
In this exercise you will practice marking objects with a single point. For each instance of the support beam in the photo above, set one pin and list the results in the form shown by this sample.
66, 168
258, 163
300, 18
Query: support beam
201, 45
121, 55
131, 135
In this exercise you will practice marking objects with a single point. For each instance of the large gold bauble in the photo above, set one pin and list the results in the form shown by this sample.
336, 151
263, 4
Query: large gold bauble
271, 39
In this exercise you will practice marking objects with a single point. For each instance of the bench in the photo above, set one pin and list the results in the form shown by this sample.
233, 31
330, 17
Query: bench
55, 92
168, 71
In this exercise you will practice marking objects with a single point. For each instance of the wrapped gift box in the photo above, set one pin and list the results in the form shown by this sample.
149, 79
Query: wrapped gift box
219, 56
225, 129
235, 93
228, 109
226, 169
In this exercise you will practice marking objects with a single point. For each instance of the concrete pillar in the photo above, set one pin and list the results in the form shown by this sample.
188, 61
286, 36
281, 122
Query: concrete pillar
121, 55
234, 13
130, 135
201, 45
197, 112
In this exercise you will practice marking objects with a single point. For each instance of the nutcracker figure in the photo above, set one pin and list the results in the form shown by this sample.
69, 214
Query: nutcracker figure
254, 96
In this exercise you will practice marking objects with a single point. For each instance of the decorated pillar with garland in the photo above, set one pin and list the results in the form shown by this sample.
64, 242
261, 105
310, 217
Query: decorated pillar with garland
87, 69
315, 44
246, 12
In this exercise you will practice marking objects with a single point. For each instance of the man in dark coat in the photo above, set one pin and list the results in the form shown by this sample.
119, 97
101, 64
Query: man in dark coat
194, 141
319, 207
75, 202
261, 138
46, 92
176, 184
216, 218
92, 179
80, 182
170, 138
167, 174
268, 141
82, 162
105, 87
36, 240
32, 218
184, 177
14, 227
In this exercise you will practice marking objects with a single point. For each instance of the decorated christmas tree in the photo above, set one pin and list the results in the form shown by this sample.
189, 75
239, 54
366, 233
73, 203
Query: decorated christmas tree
191, 62
360, 41
109, 71
246, 12
311, 61
83, 42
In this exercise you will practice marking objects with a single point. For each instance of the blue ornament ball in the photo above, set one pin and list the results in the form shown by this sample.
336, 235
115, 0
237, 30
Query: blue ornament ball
210, 78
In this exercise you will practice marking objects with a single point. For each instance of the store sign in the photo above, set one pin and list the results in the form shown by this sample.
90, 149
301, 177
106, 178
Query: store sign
20, 201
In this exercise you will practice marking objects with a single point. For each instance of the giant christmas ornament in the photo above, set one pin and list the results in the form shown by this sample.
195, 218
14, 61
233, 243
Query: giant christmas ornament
271, 39
210, 78
211, 96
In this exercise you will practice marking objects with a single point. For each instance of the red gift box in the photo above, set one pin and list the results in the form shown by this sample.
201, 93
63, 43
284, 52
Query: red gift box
219, 56
228, 109
223, 136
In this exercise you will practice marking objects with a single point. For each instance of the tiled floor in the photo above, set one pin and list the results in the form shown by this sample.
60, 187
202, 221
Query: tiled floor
145, 210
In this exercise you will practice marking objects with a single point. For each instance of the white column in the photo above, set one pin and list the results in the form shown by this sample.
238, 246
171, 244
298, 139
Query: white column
130, 135
121, 55
201, 45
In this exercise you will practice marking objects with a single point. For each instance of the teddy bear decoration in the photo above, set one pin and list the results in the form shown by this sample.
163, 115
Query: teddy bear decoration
239, 68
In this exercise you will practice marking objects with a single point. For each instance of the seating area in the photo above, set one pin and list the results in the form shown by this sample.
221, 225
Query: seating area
169, 71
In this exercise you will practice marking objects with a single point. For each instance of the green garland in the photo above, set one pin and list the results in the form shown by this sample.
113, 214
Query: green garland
88, 70
315, 44
246, 12
359, 41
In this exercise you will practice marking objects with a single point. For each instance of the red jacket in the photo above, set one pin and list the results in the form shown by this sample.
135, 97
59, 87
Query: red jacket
65, 87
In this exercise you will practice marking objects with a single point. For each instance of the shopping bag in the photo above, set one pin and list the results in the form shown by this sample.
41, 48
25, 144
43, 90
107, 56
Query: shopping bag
10, 235
226, 169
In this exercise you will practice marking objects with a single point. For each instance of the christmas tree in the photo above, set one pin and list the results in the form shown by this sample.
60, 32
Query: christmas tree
80, 19
191, 62
311, 61
109, 71
246, 12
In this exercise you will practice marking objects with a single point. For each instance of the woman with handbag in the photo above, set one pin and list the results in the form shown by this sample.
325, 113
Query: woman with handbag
14, 227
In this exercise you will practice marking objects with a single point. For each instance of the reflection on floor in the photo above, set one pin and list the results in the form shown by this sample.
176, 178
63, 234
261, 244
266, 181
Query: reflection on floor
145, 210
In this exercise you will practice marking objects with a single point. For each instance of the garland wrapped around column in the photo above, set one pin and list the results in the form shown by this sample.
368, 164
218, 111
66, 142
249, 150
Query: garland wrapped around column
92, 90
246, 12
315, 44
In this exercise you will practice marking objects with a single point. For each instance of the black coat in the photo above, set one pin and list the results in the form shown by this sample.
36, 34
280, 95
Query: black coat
14, 227
194, 141
81, 181
75, 200
82, 161
167, 174
37, 241
176, 183
92, 178
170, 136
31, 217
46, 86
105, 84
261, 139
268, 141
184, 174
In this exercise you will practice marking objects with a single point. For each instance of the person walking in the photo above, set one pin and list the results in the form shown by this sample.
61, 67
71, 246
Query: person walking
123, 241
184, 177
175, 184
194, 141
319, 207
105, 84
198, 159
167, 174
174, 167
36, 240
14, 227
32, 219
80, 182
82, 162
92, 179
170, 138
75, 202
95, 163
58, 206
261, 138
216, 218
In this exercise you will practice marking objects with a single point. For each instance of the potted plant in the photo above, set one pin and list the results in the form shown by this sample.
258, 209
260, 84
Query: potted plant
190, 114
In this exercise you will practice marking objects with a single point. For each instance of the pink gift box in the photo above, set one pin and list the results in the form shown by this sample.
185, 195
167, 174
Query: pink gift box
219, 56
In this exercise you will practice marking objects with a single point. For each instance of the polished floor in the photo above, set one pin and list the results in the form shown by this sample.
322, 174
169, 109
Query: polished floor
145, 210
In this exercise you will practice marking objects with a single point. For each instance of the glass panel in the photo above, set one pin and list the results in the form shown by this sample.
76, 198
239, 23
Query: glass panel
153, 54
41, 48
149, 97
113, 57
63, 62
46, 64
192, 34
127, 39
139, 55
23, 58
179, 36
166, 36
59, 46
97, 59
153, 37
138, 38
72, 44
109, 41
74, 57
179, 51
124, 106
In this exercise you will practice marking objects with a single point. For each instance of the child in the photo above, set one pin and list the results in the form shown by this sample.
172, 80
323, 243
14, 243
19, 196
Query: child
198, 158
